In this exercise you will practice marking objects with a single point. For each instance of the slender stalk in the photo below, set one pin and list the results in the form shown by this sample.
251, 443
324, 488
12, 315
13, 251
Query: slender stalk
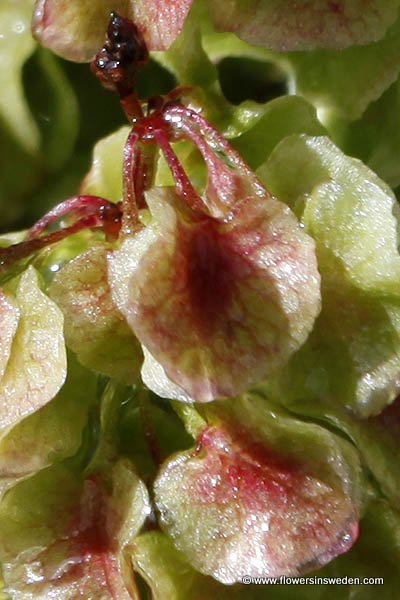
132, 107
190, 416
133, 192
191, 116
92, 212
10, 254
183, 184
205, 135
75, 204
229, 177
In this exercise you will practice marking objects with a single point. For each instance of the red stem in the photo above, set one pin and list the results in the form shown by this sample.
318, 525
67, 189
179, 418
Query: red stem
91, 212
183, 184
79, 204
133, 194
24, 249
210, 136
229, 177
178, 92
132, 107
205, 127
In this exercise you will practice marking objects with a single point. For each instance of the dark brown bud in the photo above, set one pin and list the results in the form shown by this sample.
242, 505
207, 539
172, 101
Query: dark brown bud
123, 54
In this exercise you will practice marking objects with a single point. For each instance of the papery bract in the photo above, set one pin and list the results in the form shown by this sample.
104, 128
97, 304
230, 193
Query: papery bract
218, 302
72, 540
169, 575
94, 327
160, 20
52, 433
76, 31
72, 523
261, 495
375, 554
9, 317
353, 354
305, 25
36, 366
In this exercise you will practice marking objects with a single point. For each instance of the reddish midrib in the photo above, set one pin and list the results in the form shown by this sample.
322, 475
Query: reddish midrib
209, 276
